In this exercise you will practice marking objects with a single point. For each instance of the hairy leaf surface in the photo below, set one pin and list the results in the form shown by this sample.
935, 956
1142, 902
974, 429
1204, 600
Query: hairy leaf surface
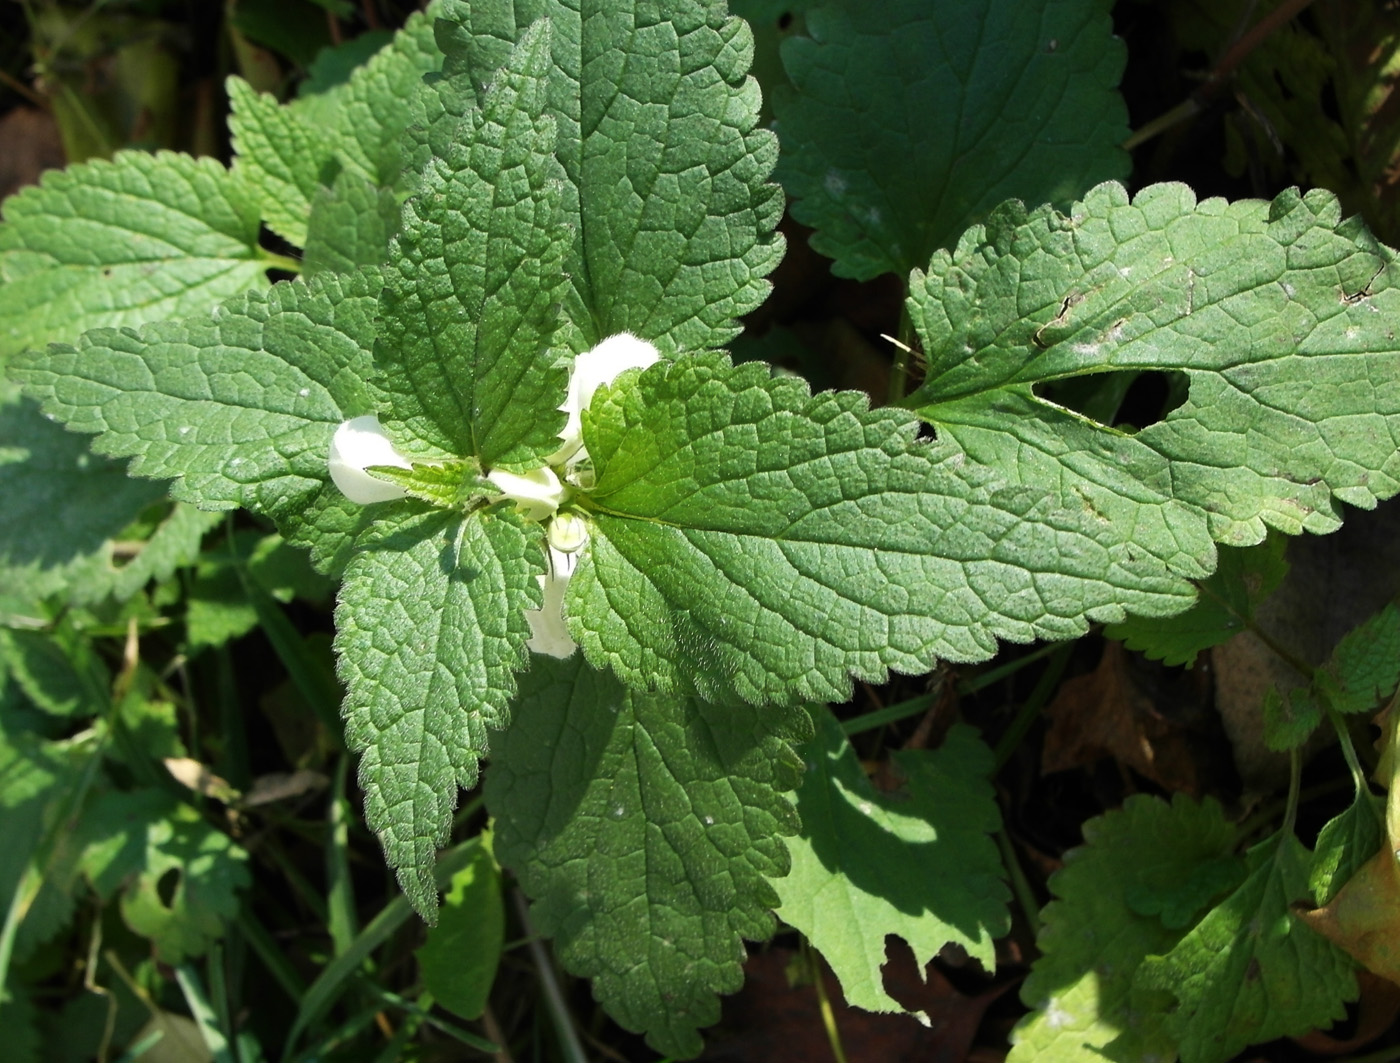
907, 120
137, 239
1250, 970
667, 175
430, 630
287, 153
1281, 314
644, 827
751, 538
238, 408
475, 278
1106, 920
919, 864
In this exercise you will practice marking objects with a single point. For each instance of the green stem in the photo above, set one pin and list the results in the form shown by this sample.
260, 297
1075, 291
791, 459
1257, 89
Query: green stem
1020, 884
285, 263
1031, 709
569, 1043
1295, 787
833, 1032
903, 354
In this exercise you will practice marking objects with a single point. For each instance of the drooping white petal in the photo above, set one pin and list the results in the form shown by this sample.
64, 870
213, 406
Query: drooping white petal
357, 444
538, 492
549, 633
592, 369
567, 533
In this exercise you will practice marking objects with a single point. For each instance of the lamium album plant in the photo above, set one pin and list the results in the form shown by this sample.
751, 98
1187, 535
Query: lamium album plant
592, 555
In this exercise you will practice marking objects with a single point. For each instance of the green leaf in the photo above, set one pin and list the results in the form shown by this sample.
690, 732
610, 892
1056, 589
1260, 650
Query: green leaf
430, 629
918, 863
1276, 312
1344, 844
58, 670
1361, 672
1093, 938
187, 889
908, 120
350, 226
459, 957
288, 153
1290, 716
238, 407
63, 506
751, 538
1249, 971
1364, 667
137, 239
1229, 596
17, 1019
474, 281
673, 219
278, 155
644, 828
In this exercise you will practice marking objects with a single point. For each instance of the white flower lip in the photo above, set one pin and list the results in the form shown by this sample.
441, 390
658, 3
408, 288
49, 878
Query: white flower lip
549, 634
592, 369
538, 492
357, 444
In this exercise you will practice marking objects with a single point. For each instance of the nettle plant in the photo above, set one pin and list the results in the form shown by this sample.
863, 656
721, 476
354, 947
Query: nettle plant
574, 538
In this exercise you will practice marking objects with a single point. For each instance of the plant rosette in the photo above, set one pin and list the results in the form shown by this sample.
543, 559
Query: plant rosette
360, 447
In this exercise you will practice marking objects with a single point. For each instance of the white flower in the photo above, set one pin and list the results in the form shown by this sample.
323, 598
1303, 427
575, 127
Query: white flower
549, 633
538, 492
357, 444
592, 369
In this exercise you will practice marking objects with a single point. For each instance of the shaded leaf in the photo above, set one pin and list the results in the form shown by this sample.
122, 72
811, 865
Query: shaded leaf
919, 863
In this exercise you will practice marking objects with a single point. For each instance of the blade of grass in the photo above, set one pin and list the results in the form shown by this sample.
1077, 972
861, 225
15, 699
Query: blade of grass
273, 958
340, 889
197, 1000
327, 988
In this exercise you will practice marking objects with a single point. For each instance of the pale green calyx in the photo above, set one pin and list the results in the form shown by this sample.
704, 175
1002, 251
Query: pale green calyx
358, 444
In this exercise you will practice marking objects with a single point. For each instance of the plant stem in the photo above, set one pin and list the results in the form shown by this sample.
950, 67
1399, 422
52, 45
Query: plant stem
553, 996
1215, 80
833, 1033
903, 353
1031, 709
1020, 884
272, 260
1295, 787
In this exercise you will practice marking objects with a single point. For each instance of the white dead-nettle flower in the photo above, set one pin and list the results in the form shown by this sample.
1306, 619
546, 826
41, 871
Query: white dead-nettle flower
592, 369
361, 442
538, 492
357, 444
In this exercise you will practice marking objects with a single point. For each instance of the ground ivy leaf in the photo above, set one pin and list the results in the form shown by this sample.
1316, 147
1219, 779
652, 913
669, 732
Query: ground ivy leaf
1344, 844
1250, 971
430, 630
474, 281
287, 153
1280, 314
667, 175
751, 538
644, 827
136, 239
1244, 577
1093, 937
908, 120
1364, 666
350, 226
919, 864
210, 872
238, 407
